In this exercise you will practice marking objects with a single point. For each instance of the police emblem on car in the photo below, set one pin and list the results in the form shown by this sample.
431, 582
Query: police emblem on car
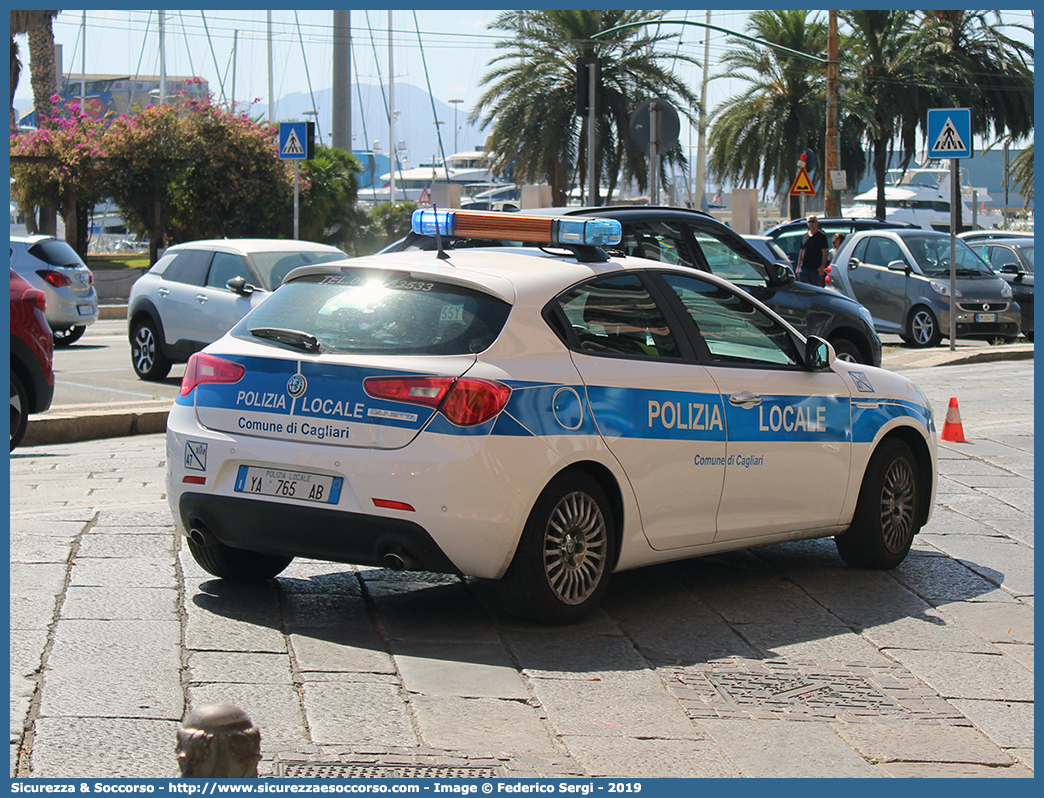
542, 416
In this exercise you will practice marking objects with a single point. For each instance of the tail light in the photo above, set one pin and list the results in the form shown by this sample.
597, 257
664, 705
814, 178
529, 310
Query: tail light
36, 296
826, 277
57, 279
203, 368
465, 401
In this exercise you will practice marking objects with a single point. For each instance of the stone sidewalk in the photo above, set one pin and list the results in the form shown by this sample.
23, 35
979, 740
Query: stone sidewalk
775, 662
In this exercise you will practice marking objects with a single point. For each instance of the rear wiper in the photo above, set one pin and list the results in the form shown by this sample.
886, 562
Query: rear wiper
295, 338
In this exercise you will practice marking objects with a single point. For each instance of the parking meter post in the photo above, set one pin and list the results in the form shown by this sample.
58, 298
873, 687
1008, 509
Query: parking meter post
218, 741
955, 197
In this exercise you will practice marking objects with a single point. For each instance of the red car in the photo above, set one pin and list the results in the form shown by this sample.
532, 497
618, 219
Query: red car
32, 347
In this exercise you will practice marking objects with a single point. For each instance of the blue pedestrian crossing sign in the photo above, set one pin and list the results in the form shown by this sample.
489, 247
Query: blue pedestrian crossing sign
949, 133
297, 140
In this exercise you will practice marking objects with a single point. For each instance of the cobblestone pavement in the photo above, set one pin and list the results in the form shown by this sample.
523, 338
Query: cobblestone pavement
771, 662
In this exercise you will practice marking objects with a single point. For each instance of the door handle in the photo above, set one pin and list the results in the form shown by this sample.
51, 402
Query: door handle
201, 298
163, 291
745, 400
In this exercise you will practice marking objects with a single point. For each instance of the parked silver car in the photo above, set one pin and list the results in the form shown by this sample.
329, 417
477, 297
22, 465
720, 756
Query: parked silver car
199, 290
903, 278
51, 265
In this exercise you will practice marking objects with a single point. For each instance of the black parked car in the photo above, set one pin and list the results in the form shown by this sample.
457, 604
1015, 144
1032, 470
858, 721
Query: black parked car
788, 234
698, 240
1012, 259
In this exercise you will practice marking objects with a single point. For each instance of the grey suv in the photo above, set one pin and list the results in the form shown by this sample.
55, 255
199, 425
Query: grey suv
698, 240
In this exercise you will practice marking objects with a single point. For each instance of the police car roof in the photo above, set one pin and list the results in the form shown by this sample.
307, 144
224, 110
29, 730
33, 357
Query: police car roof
512, 273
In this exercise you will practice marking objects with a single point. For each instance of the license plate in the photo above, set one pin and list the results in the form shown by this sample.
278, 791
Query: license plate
287, 484
85, 310
985, 317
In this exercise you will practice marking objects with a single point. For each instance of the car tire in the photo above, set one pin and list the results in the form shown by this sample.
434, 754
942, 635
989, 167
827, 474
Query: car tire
847, 351
923, 328
562, 564
236, 565
886, 514
147, 358
19, 410
68, 336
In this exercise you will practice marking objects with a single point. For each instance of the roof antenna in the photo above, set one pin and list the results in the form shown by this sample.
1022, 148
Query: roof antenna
441, 255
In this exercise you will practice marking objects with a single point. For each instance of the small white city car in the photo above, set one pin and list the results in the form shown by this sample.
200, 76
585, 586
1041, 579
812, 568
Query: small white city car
539, 416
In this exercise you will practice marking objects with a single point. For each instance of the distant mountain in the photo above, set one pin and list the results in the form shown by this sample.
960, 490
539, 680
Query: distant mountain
415, 126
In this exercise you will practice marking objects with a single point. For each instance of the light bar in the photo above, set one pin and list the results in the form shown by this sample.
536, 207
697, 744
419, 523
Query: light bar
555, 230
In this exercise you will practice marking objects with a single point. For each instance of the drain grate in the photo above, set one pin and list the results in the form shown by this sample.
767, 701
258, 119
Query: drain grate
348, 770
851, 692
797, 691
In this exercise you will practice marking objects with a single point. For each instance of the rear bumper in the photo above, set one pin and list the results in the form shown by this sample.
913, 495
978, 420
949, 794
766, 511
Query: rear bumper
314, 532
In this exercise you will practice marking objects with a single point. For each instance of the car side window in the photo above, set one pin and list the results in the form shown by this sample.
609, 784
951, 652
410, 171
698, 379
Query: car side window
190, 266
659, 241
1000, 256
224, 267
617, 316
859, 251
733, 328
790, 242
881, 251
728, 261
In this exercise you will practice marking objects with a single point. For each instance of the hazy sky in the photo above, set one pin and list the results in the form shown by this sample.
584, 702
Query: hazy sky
456, 46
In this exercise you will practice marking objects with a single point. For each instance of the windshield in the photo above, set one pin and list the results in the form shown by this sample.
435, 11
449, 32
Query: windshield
366, 311
932, 254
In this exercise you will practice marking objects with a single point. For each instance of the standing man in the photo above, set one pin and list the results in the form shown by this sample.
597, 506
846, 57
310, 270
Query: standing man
812, 259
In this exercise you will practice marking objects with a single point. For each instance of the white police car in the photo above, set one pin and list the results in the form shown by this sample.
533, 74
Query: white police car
534, 417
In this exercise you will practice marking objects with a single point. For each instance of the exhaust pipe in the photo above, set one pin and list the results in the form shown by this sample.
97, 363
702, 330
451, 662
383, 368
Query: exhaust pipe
395, 561
201, 536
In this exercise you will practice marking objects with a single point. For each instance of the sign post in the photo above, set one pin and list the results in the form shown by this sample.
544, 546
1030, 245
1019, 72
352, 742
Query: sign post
950, 136
296, 143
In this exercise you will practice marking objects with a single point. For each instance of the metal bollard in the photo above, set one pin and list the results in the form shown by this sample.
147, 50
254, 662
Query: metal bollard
218, 741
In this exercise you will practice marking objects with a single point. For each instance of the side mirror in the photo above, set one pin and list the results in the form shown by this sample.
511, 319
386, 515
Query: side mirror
1010, 268
239, 285
781, 273
898, 266
819, 354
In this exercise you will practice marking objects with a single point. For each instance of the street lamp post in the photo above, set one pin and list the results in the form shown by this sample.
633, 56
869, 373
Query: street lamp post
455, 102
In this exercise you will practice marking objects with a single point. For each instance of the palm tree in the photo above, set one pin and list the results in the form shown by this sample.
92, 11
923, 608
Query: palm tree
530, 105
38, 24
756, 137
995, 71
893, 76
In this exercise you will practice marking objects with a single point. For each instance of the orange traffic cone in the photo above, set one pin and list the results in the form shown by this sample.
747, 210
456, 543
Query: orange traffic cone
953, 430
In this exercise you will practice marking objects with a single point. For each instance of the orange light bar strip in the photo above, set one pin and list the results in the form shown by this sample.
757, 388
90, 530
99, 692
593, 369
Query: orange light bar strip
509, 227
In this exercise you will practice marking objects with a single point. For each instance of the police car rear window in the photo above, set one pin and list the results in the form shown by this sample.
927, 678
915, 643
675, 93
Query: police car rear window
377, 313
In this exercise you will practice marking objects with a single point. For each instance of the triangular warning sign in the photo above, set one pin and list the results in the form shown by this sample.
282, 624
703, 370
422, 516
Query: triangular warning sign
802, 185
949, 139
293, 144
425, 198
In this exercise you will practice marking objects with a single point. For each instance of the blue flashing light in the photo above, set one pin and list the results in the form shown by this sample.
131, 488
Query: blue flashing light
588, 232
428, 222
